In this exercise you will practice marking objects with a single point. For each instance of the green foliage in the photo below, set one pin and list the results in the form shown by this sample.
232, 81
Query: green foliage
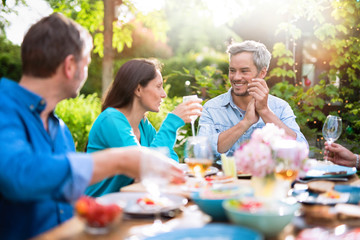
209, 81
10, 60
79, 114
93, 82
307, 105
284, 61
341, 40
175, 71
90, 14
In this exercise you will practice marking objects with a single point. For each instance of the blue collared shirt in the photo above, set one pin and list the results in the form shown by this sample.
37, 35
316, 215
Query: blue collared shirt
221, 113
40, 172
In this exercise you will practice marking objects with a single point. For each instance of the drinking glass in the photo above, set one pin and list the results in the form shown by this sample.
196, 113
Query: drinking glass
287, 160
332, 129
193, 118
198, 155
288, 156
154, 178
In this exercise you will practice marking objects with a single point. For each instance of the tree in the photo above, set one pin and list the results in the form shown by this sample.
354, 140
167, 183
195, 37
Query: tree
107, 65
6, 9
90, 14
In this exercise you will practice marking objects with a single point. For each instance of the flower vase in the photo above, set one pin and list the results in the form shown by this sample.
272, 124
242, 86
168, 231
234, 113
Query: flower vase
264, 187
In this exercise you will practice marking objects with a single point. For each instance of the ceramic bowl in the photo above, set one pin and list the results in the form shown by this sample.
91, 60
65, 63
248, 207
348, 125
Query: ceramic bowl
269, 217
210, 200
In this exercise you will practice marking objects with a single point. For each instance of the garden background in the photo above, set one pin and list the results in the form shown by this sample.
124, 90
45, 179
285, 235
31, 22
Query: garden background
314, 43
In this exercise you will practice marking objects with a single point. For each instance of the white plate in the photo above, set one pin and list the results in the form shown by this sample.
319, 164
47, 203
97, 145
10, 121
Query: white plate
211, 171
214, 179
133, 208
325, 171
305, 196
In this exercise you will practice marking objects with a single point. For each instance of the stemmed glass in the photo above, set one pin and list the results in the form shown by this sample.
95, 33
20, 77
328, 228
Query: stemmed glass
288, 156
198, 155
193, 118
154, 179
332, 129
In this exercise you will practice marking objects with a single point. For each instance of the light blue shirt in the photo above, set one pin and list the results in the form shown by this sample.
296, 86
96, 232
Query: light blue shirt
41, 175
221, 113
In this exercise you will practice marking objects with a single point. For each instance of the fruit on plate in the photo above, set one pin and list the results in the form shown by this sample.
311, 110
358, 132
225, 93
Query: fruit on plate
96, 214
219, 178
146, 201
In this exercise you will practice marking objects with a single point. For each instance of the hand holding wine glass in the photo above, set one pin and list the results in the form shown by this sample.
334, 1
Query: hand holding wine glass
342, 156
332, 128
195, 100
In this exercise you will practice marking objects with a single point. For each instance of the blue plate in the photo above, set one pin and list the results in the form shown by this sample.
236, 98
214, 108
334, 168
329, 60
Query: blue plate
210, 231
348, 194
325, 171
353, 190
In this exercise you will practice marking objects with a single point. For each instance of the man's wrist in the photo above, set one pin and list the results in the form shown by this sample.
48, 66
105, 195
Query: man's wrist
357, 161
245, 124
265, 113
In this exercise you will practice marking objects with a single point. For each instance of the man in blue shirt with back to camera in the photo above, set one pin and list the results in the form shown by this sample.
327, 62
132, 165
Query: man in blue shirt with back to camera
41, 175
230, 118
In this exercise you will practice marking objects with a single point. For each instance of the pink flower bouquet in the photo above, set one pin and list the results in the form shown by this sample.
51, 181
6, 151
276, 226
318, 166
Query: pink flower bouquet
265, 151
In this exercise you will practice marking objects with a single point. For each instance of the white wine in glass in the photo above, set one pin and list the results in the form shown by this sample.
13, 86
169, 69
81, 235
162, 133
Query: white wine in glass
194, 117
198, 155
287, 157
332, 129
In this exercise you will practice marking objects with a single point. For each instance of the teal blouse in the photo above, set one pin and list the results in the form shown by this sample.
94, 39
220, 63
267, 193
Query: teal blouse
112, 129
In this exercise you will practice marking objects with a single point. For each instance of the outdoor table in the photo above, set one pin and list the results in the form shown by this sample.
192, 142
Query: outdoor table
74, 228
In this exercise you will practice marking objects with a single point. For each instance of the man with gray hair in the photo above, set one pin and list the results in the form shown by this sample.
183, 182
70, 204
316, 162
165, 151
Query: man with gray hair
230, 118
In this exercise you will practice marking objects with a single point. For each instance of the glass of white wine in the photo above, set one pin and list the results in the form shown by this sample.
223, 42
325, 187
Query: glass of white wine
287, 157
199, 155
332, 129
194, 117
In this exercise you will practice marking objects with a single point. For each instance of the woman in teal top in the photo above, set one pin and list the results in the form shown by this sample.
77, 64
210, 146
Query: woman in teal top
137, 88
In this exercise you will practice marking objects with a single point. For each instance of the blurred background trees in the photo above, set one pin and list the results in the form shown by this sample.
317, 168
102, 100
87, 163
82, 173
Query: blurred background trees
314, 43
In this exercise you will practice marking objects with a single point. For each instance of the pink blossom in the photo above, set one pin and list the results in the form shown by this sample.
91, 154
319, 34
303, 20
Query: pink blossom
255, 158
270, 147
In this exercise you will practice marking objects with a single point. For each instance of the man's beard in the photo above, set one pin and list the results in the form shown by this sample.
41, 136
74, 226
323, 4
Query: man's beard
244, 94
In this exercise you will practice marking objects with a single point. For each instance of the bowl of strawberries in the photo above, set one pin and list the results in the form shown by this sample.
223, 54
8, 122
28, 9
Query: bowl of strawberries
99, 216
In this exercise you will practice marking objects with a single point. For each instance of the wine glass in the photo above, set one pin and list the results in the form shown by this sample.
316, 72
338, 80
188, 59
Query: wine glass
193, 117
288, 156
332, 129
154, 178
198, 155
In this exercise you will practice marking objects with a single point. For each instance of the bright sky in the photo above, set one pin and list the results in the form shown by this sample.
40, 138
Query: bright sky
39, 8
26, 17
146, 6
